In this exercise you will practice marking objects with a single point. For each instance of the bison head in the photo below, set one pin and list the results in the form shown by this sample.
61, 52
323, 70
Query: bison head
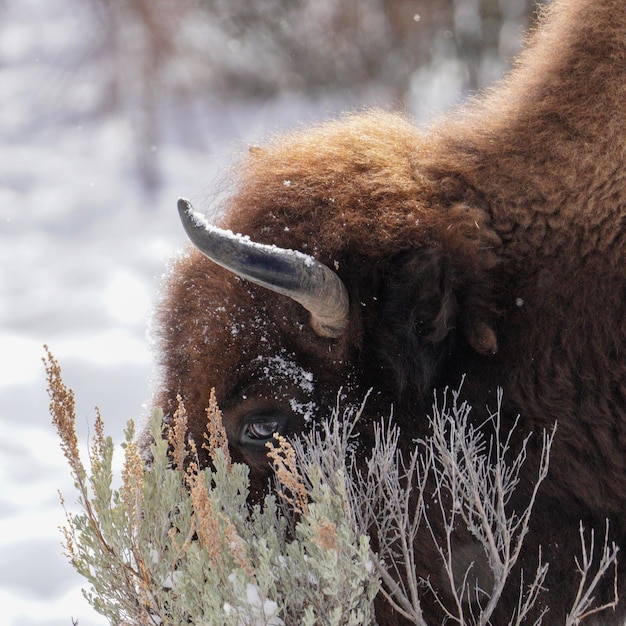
357, 271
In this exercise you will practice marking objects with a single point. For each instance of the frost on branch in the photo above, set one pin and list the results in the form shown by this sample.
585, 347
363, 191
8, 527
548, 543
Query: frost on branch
460, 477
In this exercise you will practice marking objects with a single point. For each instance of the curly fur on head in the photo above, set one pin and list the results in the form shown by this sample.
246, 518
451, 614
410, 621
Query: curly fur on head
350, 193
491, 246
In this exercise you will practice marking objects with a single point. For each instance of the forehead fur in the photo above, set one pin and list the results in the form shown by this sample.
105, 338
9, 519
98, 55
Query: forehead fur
324, 189
219, 331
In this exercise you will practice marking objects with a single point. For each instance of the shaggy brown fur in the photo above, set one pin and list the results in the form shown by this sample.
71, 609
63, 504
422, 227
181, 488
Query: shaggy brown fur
492, 246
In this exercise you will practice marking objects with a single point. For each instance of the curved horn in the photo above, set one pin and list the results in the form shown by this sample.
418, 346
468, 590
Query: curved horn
289, 272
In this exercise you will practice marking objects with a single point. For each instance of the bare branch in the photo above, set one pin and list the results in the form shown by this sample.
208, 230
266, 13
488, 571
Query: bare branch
583, 605
467, 475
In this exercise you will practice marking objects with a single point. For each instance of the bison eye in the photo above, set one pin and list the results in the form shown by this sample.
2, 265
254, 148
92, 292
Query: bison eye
259, 429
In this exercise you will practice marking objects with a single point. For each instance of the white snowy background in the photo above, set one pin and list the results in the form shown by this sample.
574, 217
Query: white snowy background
82, 247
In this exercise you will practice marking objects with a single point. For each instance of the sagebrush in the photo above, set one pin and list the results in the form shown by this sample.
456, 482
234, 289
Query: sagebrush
180, 544
176, 544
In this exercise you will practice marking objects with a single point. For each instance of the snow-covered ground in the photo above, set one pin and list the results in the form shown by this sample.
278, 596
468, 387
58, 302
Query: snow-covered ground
82, 247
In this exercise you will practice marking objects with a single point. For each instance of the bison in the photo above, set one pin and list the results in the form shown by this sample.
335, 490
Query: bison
371, 255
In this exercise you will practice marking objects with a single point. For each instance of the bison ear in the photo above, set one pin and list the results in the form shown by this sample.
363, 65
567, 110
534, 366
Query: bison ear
420, 297
425, 304
419, 309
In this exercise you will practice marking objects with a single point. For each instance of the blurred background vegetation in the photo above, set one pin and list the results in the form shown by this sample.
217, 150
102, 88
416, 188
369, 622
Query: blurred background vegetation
415, 55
